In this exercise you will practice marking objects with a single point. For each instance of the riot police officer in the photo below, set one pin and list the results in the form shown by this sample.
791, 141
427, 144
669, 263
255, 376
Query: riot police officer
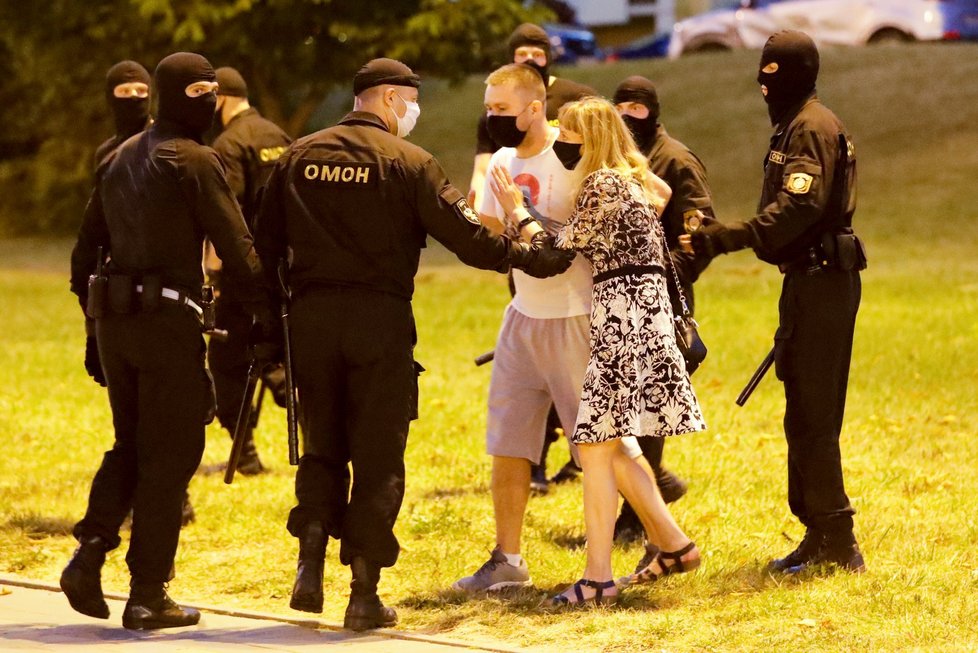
155, 199
127, 92
638, 103
249, 145
804, 226
354, 204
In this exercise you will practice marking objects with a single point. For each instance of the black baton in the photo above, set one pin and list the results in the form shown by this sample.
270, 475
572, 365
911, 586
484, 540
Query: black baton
290, 390
756, 379
485, 358
243, 424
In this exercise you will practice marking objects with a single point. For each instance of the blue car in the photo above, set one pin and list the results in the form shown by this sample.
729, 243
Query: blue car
570, 43
647, 47
960, 19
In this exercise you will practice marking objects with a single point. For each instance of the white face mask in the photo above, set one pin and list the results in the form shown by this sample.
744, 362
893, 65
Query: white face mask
410, 119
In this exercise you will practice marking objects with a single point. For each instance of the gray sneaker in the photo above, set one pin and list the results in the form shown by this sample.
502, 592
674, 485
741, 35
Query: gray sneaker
494, 575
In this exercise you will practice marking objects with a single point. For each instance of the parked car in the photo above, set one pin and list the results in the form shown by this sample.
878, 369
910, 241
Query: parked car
960, 19
647, 47
749, 23
569, 43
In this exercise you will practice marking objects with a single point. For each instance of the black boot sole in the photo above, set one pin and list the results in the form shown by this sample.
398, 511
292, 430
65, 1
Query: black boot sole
154, 624
306, 603
359, 624
71, 584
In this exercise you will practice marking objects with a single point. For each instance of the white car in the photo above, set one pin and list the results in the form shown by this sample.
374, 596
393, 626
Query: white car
749, 23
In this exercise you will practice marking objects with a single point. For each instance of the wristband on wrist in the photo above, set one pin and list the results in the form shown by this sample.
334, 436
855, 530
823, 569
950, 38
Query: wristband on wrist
525, 221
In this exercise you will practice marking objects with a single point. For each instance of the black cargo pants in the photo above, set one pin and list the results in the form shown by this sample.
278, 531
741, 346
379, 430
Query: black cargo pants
354, 368
813, 348
159, 393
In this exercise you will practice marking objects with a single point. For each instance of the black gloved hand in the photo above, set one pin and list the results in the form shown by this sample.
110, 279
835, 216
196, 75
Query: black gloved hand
266, 341
718, 238
541, 259
92, 363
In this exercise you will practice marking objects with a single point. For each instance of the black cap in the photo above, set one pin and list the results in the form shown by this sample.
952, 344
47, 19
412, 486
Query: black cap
230, 82
384, 71
529, 34
638, 89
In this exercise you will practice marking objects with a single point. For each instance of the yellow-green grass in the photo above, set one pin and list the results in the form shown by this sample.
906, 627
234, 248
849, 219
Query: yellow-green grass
908, 446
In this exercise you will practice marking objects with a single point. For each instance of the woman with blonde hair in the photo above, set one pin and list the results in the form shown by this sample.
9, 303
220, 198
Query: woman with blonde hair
636, 382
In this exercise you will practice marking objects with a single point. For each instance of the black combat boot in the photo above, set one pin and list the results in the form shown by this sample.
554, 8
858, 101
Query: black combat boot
149, 607
307, 593
365, 611
671, 487
838, 549
249, 463
81, 580
807, 551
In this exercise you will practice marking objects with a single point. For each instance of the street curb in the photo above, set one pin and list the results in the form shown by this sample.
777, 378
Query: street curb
316, 624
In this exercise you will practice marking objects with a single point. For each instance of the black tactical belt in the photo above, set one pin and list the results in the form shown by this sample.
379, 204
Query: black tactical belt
627, 270
178, 298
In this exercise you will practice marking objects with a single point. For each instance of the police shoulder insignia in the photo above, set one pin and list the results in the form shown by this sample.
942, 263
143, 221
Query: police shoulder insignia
798, 183
466, 212
777, 157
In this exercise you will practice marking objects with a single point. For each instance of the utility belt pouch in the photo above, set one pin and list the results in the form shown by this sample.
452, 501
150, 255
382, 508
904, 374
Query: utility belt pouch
209, 314
97, 291
149, 298
850, 254
121, 290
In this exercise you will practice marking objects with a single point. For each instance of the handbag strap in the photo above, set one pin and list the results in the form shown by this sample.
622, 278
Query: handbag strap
674, 276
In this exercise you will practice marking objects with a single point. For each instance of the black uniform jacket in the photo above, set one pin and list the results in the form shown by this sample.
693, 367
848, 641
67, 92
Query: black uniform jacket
355, 204
155, 199
675, 164
559, 92
809, 184
249, 146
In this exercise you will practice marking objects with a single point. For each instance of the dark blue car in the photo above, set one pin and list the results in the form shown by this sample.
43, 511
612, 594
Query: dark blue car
647, 47
960, 19
570, 43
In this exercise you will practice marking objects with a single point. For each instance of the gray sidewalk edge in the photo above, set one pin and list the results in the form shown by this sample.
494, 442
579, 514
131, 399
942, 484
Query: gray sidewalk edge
16, 581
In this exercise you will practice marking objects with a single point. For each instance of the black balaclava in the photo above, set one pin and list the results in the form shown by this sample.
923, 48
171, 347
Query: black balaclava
639, 89
791, 59
530, 34
173, 74
131, 113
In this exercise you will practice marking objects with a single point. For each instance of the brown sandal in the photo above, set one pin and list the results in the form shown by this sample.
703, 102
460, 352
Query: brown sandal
677, 566
599, 598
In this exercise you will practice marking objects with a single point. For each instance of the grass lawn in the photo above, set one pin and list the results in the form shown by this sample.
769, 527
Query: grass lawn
908, 443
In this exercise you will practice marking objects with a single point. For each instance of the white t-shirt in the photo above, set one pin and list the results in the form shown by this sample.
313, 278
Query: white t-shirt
547, 187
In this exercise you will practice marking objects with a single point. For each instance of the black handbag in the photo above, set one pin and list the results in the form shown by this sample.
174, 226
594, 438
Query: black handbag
691, 346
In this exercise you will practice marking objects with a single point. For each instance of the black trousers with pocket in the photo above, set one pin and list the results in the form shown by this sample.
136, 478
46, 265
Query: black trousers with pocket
358, 392
813, 348
159, 393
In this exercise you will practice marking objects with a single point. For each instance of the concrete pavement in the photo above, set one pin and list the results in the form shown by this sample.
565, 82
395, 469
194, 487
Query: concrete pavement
35, 616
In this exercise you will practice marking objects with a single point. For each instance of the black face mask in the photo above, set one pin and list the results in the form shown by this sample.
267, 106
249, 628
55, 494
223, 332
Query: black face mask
643, 131
568, 153
795, 57
543, 71
130, 114
504, 131
173, 74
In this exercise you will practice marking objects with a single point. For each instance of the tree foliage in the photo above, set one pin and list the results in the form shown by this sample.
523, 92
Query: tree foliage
54, 56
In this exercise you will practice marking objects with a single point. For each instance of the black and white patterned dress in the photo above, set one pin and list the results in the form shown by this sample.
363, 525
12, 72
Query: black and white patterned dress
636, 382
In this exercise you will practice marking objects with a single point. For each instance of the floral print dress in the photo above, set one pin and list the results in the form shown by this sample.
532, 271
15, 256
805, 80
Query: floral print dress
636, 381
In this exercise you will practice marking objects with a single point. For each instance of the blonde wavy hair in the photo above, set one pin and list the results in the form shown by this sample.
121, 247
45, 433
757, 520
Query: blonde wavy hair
608, 144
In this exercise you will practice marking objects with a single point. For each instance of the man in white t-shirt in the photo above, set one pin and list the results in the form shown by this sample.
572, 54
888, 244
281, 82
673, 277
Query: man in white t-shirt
542, 351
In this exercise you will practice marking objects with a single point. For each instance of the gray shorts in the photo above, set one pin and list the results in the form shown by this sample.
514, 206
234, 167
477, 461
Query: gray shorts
538, 362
